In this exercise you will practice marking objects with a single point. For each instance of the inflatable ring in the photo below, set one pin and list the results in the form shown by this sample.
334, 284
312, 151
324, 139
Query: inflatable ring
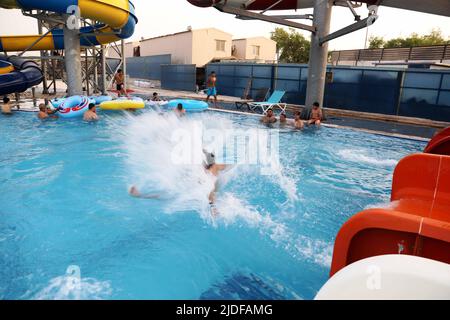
74, 106
157, 103
188, 105
57, 102
123, 104
99, 99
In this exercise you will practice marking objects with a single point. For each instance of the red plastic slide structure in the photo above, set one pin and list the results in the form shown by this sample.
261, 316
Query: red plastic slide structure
440, 143
417, 222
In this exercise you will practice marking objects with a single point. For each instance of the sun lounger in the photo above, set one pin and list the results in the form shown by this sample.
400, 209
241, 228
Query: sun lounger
273, 102
261, 95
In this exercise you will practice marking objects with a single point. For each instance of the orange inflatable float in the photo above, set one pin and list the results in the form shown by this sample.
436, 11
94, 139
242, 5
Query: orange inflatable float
416, 223
440, 143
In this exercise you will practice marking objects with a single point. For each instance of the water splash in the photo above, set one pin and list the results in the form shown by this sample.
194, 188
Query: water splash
165, 154
149, 147
355, 155
69, 287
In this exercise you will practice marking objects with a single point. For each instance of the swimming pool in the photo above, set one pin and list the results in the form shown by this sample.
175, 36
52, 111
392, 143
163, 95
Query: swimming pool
65, 210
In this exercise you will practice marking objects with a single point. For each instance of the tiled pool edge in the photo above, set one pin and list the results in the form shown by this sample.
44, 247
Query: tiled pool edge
380, 133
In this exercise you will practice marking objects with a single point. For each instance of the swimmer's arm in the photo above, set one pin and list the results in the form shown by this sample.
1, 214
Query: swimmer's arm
212, 195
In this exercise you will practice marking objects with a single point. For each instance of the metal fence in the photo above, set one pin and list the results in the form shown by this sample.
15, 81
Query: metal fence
147, 67
178, 77
428, 53
404, 92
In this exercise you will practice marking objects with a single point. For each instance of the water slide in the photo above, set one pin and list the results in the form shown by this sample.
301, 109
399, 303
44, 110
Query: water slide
401, 250
117, 21
18, 74
416, 222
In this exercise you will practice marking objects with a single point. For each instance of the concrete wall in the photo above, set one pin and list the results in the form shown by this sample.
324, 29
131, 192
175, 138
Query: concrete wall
129, 47
240, 49
204, 45
244, 49
178, 45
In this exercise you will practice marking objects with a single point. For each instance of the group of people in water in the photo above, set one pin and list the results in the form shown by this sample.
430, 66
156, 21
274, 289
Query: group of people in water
315, 118
48, 113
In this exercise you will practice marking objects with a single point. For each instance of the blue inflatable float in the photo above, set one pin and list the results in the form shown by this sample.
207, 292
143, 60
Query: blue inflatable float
57, 102
188, 105
74, 106
99, 99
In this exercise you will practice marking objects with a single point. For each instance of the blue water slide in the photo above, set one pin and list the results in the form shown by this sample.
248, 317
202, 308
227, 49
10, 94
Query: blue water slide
26, 74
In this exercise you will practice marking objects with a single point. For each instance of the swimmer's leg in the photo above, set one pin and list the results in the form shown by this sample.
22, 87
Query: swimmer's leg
135, 193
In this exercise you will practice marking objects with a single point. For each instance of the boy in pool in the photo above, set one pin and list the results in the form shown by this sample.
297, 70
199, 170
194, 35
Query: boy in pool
155, 97
6, 107
209, 165
268, 117
180, 111
91, 114
298, 122
44, 113
283, 119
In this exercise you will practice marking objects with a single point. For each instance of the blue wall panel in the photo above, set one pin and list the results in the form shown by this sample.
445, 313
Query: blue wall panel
404, 92
147, 67
179, 77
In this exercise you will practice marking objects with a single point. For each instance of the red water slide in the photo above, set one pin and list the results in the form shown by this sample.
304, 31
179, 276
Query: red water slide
440, 143
417, 222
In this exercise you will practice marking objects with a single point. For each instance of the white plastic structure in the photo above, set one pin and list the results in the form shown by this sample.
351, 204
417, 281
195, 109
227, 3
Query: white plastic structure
389, 277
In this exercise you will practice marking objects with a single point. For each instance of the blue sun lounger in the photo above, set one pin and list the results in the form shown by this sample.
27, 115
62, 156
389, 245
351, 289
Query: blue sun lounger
271, 103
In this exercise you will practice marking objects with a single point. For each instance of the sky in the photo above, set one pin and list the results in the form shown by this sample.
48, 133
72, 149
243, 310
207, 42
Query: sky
160, 17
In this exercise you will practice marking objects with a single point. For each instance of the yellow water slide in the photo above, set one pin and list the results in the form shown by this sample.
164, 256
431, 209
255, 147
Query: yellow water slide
117, 21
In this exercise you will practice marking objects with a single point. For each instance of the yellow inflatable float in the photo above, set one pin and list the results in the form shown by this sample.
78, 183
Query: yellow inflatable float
123, 104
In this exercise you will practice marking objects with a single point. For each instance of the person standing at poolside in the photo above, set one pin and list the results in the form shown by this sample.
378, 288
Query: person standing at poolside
6, 107
119, 80
91, 114
316, 115
211, 88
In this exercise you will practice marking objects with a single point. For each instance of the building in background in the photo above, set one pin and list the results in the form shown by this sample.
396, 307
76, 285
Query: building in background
202, 46
154, 58
259, 49
188, 47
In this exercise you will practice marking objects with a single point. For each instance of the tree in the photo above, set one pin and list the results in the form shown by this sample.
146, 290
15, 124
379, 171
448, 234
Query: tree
292, 46
435, 37
376, 42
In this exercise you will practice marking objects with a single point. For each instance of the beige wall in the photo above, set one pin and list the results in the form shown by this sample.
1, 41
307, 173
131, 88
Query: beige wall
178, 45
240, 49
204, 45
112, 53
244, 49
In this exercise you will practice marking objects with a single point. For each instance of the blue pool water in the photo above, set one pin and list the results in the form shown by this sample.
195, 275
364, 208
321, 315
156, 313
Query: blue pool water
65, 209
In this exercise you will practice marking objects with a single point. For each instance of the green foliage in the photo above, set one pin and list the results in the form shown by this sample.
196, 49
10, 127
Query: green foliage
376, 42
435, 37
292, 45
